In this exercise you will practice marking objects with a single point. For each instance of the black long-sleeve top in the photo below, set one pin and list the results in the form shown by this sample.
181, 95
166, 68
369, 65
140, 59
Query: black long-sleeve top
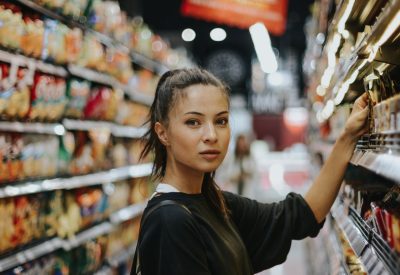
175, 242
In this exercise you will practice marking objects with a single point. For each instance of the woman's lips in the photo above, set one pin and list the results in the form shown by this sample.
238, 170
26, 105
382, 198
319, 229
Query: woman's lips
210, 154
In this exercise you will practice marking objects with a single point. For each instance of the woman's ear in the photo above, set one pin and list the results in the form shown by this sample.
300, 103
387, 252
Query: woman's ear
161, 132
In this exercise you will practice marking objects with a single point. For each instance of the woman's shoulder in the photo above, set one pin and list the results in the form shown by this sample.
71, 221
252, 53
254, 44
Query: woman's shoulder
166, 213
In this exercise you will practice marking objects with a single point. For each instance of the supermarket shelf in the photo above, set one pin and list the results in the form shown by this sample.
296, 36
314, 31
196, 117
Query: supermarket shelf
115, 129
137, 58
341, 267
30, 254
128, 131
49, 13
71, 124
38, 128
94, 76
127, 213
389, 12
386, 165
87, 235
56, 243
388, 258
141, 98
24, 61
117, 174
148, 63
122, 256
86, 125
377, 259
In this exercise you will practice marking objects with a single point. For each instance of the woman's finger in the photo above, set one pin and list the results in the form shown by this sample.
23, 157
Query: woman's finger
362, 101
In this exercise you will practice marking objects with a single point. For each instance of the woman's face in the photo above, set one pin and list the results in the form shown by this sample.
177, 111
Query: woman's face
198, 131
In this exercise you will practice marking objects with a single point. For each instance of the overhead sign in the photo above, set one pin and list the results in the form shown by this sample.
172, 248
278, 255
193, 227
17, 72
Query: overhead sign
240, 13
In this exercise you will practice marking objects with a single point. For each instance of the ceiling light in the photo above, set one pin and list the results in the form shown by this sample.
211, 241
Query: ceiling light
218, 34
262, 44
188, 35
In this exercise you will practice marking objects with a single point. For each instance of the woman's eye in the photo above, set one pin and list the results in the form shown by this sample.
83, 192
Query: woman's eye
192, 122
222, 121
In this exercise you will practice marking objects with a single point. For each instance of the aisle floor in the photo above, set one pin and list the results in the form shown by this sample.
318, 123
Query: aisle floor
296, 262
267, 191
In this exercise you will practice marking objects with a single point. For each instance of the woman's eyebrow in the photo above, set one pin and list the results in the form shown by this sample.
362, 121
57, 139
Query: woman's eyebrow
201, 114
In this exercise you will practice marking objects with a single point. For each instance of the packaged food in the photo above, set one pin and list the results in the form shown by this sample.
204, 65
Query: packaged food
55, 4
119, 155
119, 198
7, 224
91, 202
73, 44
40, 94
39, 156
102, 104
67, 148
396, 232
105, 16
11, 168
77, 92
142, 40
54, 46
70, 222
58, 100
82, 161
139, 190
51, 210
100, 141
33, 37
14, 91
140, 115
3, 158
119, 65
75, 8
12, 27
92, 55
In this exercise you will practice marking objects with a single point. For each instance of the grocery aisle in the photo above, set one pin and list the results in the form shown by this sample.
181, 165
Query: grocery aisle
78, 77
74, 94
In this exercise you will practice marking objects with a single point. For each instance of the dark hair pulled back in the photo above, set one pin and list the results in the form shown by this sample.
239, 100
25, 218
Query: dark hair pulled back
169, 88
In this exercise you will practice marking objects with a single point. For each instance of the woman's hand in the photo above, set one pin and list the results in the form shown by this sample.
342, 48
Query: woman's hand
356, 124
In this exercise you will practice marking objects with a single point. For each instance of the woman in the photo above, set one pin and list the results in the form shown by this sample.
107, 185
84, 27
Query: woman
222, 233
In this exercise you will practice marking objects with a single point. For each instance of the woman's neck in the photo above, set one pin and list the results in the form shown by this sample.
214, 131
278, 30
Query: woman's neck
184, 180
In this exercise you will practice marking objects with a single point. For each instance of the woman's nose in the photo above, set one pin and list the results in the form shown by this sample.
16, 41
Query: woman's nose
209, 135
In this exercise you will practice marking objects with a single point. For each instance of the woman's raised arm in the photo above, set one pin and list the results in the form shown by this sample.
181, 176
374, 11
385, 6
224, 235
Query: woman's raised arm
323, 191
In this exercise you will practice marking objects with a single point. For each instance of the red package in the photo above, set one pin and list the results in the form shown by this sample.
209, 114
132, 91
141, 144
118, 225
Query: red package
395, 229
98, 105
379, 220
389, 224
40, 95
4, 86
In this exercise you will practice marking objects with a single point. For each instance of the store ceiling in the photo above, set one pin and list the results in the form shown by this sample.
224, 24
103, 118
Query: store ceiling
164, 18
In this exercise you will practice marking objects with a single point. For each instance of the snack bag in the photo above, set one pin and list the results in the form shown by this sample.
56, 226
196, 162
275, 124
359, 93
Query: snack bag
101, 104
77, 92
3, 158
58, 99
93, 54
32, 39
55, 41
40, 94
11, 27
65, 154
73, 44
75, 8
